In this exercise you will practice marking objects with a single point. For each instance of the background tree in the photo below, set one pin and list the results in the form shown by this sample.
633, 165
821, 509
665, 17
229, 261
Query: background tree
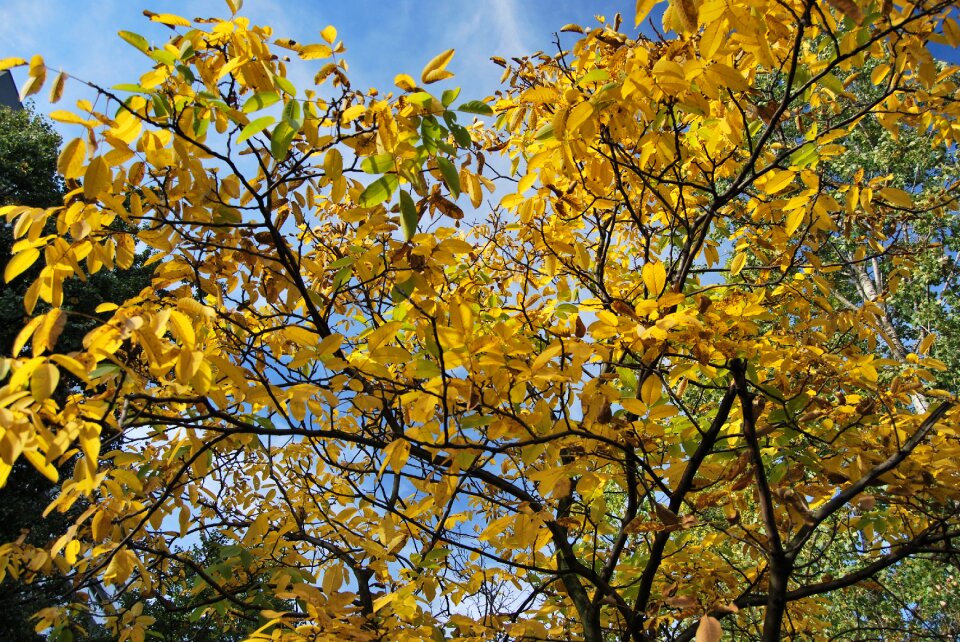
29, 147
622, 403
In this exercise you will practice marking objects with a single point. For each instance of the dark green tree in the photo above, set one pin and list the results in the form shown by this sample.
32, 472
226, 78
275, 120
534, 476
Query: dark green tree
28, 176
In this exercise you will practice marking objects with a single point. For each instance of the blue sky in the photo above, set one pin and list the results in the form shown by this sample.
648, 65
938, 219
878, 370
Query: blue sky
382, 38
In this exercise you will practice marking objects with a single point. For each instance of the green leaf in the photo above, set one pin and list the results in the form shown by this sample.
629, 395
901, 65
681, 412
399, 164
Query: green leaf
594, 75
544, 132
280, 140
227, 215
342, 276
255, 127
137, 89
379, 164
186, 72
806, 155
461, 135
163, 56
260, 100
401, 292
379, 190
449, 96
160, 105
430, 133
409, 217
343, 261
292, 114
136, 40
476, 107
285, 85
420, 99
450, 175
200, 125
105, 369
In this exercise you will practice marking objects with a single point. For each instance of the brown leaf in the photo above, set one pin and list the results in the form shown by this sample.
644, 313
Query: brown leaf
709, 629
866, 502
623, 308
666, 515
670, 589
581, 329
448, 207
848, 8
681, 602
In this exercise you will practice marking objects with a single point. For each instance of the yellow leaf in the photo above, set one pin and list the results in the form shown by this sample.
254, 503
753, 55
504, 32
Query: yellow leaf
73, 366
635, 406
64, 116
330, 344
70, 162
436, 76
728, 76
39, 462
315, 52
35, 77
578, 115
927, 343
24, 335
170, 19
49, 331
333, 164
10, 63
329, 34
687, 11
44, 381
90, 442
643, 9
794, 220
471, 185
405, 82
651, 390
540, 95
20, 262
736, 265
194, 308
777, 180
126, 251
183, 329
302, 336
96, 179
352, 113
395, 455
56, 92
879, 73
435, 69
654, 277
71, 551
897, 197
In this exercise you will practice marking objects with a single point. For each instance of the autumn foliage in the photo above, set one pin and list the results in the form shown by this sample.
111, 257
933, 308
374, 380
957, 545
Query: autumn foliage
598, 364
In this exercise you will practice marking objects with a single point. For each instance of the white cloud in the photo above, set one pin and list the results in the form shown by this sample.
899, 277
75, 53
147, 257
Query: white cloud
514, 36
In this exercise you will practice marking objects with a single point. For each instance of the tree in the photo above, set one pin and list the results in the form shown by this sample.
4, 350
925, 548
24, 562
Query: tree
28, 176
633, 398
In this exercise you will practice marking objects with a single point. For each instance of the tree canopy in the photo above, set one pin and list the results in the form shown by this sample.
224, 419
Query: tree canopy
625, 351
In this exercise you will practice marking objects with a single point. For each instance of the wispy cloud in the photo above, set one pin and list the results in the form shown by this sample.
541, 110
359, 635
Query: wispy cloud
511, 25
